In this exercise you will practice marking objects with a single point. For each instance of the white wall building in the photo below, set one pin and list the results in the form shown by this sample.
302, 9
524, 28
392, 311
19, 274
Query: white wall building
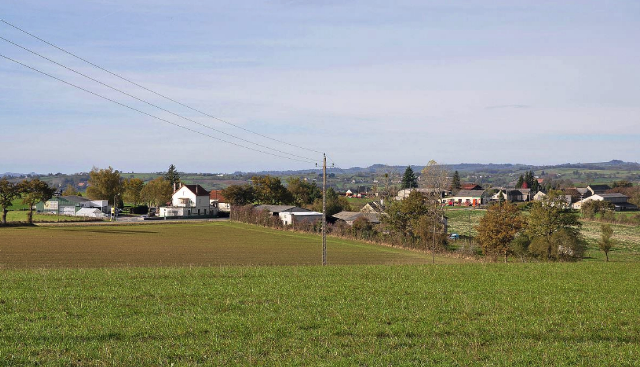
189, 201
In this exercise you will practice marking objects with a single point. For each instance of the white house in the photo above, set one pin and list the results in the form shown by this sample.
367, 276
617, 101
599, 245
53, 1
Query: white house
189, 201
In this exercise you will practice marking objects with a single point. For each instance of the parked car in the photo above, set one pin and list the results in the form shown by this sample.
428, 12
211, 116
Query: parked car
454, 236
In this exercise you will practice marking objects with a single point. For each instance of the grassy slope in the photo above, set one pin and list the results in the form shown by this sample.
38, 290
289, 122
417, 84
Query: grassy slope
201, 244
473, 314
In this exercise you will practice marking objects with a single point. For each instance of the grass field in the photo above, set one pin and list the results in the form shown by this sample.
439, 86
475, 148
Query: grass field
21, 216
626, 237
202, 244
464, 221
583, 314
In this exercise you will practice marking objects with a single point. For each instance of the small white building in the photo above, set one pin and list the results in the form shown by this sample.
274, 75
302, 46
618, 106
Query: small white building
291, 218
217, 200
189, 201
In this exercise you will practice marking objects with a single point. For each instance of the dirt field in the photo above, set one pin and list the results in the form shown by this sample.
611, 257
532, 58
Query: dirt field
201, 244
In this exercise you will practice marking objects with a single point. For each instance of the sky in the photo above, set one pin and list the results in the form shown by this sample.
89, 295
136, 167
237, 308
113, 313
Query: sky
364, 81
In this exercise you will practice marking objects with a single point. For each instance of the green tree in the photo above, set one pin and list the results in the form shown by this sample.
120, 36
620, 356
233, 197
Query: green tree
133, 190
429, 232
270, 190
520, 182
302, 192
498, 228
520, 246
33, 192
239, 194
8, 192
606, 242
455, 183
70, 190
409, 180
553, 229
105, 184
401, 217
335, 203
156, 192
173, 177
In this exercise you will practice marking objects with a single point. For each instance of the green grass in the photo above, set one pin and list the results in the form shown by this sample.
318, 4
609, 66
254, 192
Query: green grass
626, 237
21, 216
464, 221
357, 203
582, 314
199, 244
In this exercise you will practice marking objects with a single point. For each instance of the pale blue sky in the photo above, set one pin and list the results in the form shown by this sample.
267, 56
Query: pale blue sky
400, 82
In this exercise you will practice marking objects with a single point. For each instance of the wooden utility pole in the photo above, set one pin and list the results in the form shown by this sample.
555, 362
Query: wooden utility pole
324, 210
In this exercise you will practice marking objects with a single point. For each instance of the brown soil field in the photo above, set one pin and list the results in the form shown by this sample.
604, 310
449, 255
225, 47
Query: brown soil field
192, 244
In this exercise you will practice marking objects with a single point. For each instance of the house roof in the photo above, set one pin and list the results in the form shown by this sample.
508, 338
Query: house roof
599, 187
74, 199
197, 189
351, 216
374, 205
217, 195
281, 208
470, 186
612, 195
469, 193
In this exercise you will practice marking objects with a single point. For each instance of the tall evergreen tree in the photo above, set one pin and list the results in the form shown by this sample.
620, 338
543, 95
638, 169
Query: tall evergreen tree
520, 182
172, 176
409, 180
455, 182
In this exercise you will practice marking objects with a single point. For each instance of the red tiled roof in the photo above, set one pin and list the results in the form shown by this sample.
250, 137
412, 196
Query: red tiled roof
217, 195
470, 186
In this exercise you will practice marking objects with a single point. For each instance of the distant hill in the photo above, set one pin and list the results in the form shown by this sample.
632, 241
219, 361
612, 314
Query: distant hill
466, 167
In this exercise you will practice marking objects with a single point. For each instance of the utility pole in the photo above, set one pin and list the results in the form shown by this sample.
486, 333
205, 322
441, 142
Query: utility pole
324, 209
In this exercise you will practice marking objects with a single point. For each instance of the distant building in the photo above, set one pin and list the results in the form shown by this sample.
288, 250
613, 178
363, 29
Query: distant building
466, 198
598, 189
189, 201
350, 217
217, 200
373, 207
289, 214
619, 201
70, 205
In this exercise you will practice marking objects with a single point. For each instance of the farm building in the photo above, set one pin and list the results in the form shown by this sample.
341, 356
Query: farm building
350, 217
70, 205
619, 201
290, 214
373, 207
404, 193
189, 201
466, 198
291, 218
598, 189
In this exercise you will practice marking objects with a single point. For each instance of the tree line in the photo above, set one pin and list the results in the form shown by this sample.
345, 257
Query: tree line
104, 184
271, 191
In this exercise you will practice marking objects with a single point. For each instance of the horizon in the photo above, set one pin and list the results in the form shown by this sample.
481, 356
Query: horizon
320, 169
364, 81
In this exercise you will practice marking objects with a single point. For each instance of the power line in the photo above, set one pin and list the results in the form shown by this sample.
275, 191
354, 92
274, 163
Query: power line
154, 92
150, 115
149, 103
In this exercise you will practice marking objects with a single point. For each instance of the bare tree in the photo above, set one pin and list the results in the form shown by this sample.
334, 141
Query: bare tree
434, 179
